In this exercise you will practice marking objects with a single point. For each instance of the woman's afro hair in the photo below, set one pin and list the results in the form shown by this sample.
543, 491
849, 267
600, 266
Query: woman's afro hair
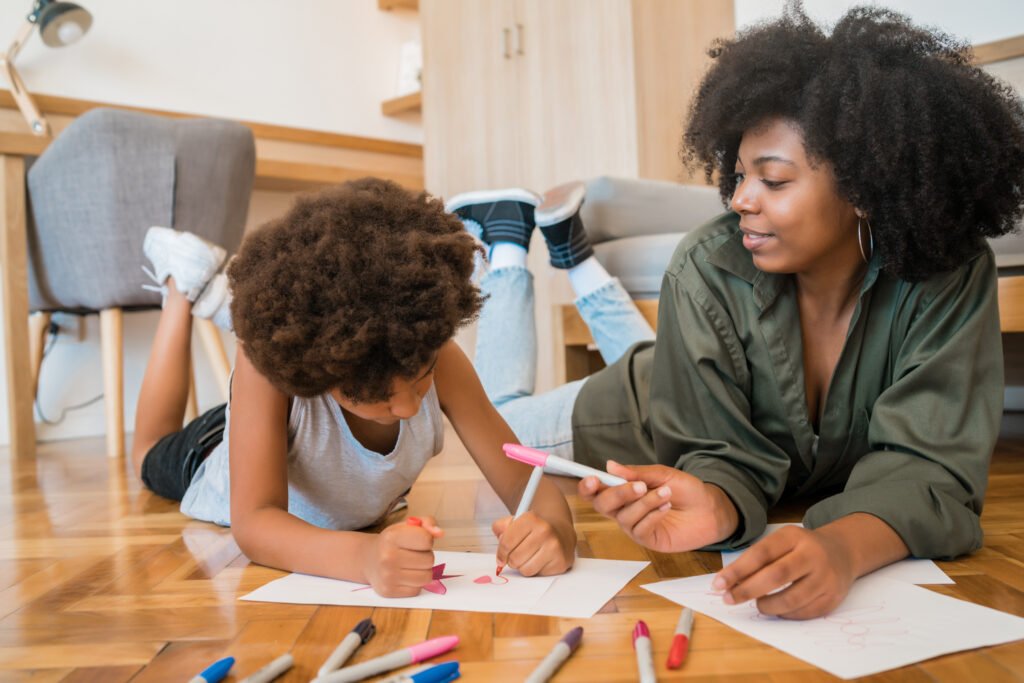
929, 146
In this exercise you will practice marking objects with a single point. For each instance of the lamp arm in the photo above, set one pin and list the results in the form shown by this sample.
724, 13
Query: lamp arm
37, 123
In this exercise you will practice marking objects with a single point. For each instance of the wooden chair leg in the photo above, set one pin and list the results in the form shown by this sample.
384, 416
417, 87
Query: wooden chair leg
38, 323
112, 344
213, 345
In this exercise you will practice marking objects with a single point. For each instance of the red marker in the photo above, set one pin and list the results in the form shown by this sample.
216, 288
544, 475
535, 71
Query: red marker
681, 639
414, 521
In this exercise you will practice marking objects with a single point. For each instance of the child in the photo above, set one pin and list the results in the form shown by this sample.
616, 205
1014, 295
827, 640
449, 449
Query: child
344, 310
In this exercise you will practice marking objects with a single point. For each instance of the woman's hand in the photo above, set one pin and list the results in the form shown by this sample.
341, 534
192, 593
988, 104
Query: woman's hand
533, 546
812, 572
399, 560
662, 508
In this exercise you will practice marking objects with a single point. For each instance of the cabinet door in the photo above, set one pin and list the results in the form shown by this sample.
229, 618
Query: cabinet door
470, 95
577, 80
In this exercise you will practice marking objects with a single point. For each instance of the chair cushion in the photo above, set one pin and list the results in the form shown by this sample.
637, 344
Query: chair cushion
110, 176
639, 262
625, 207
1009, 250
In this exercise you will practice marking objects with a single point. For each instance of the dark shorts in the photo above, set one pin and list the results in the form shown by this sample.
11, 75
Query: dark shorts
169, 466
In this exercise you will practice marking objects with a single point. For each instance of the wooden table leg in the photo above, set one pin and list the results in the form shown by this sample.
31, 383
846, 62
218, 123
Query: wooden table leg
13, 251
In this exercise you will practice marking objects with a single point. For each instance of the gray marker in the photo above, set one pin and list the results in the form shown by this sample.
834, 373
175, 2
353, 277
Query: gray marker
271, 671
562, 650
362, 632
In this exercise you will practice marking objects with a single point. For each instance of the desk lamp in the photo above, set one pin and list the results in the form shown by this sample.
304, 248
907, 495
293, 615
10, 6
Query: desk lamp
60, 24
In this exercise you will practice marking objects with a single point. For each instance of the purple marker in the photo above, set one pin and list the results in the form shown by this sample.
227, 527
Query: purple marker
562, 650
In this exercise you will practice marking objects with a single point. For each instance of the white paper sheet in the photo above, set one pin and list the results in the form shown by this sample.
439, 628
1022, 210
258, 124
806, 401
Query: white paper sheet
882, 624
909, 571
580, 593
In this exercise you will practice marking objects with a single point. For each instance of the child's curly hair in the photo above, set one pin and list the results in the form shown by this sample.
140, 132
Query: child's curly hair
929, 146
354, 287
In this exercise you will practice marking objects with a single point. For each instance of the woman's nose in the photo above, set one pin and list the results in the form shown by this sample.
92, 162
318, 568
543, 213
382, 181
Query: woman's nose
743, 200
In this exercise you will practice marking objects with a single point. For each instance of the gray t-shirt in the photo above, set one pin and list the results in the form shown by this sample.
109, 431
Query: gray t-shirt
334, 482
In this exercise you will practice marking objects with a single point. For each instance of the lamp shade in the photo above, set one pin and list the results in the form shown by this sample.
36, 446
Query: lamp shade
62, 23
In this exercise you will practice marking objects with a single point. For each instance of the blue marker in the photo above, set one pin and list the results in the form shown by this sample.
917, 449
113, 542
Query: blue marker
442, 673
215, 672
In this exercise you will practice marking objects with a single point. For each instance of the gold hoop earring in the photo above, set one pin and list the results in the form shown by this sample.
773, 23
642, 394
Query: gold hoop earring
871, 241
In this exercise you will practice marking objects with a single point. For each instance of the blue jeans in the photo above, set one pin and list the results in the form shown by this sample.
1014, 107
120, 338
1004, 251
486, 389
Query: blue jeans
506, 353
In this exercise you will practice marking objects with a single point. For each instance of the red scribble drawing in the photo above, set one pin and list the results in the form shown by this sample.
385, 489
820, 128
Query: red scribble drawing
434, 586
493, 580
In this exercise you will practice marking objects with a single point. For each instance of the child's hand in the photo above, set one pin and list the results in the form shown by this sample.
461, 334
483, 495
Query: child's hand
533, 546
400, 559
662, 508
814, 565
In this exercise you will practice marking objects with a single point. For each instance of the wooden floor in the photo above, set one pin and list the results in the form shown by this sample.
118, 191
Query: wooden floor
103, 581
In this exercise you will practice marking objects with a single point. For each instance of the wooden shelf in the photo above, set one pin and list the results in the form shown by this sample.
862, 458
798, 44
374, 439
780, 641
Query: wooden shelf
291, 176
287, 159
402, 105
388, 5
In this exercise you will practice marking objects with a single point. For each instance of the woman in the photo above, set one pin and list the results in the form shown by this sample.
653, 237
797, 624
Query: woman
837, 334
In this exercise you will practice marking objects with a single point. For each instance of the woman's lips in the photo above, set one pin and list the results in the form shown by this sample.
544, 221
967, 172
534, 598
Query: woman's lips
754, 240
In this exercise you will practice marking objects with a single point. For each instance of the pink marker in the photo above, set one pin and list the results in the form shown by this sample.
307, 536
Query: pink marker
644, 653
394, 660
531, 456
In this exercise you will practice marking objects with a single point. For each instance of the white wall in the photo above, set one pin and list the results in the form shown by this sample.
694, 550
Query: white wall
318, 64
977, 21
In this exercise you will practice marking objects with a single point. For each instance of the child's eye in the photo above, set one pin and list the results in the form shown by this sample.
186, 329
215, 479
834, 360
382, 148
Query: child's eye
738, 177
773, 184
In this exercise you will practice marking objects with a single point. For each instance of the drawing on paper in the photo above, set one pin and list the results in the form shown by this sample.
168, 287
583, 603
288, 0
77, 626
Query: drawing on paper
434, 586
859, 628
493, 580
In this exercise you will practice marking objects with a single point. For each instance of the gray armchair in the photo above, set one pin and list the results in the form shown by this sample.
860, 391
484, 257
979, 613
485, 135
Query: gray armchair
93, 194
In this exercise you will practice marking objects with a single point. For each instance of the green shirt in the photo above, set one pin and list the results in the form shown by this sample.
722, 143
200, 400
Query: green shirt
910, 420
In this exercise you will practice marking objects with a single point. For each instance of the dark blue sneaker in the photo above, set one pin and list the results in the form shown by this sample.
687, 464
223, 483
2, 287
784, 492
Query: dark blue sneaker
502, 215
558, 218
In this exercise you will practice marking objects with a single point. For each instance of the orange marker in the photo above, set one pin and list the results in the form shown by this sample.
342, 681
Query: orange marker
414, 521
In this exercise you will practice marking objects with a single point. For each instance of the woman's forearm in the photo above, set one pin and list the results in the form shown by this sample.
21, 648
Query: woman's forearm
870, 543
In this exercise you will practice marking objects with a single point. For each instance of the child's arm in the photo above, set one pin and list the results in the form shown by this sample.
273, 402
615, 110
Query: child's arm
821, 565
542, 541
396, 562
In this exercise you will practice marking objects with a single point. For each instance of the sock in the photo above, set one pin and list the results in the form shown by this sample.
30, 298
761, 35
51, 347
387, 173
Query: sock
507, 254
588, 276
568, 244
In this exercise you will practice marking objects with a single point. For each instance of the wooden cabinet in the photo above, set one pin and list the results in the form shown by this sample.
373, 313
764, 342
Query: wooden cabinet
538, 92
533, 93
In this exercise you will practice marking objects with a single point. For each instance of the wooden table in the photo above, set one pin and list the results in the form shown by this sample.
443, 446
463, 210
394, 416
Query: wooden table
14, 147
101, 581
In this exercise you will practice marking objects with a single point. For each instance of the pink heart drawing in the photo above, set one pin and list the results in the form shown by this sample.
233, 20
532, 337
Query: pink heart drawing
495, 580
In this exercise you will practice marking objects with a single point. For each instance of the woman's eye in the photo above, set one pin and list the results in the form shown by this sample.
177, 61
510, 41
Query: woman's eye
773, 184
738, 177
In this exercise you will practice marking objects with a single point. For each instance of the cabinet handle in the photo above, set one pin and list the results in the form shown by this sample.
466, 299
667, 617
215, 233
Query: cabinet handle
519, 39
506, 35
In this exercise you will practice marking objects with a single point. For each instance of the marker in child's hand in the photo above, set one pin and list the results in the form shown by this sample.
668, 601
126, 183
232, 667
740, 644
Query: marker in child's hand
433, 530
531, 456
525, 501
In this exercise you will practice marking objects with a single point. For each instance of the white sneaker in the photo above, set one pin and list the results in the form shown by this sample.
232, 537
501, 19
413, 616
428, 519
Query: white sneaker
189, 259
215, 303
